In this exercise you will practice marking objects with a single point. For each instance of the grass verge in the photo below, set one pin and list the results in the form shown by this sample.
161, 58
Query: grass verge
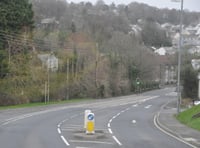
186, 117
43, 104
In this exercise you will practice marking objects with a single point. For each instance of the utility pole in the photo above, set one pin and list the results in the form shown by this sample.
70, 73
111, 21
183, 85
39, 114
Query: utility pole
45, 92
179, 59
67, 97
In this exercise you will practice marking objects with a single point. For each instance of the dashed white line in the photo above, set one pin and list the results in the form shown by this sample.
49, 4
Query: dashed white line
118, 142
148, 106
59, 131
64, 140
135, 105
109, 124
122, 111
110, 131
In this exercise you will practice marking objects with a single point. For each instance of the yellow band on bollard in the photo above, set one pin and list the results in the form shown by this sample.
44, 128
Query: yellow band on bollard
90, 127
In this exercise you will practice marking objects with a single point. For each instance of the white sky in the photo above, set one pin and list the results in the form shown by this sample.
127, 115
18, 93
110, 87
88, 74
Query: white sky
192, 5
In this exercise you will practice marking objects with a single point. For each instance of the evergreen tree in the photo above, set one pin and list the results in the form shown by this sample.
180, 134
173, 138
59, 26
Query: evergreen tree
16, 16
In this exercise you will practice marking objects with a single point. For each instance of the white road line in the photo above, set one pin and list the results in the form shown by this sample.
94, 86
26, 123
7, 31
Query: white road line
169, 134
172, 94
114, 117
59, 131
110, 131
95, 142
135, 105
148, 106
110, 120
133, 121
64, 140
109, 124
119, 143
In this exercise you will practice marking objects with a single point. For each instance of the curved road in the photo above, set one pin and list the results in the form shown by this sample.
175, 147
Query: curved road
127, 122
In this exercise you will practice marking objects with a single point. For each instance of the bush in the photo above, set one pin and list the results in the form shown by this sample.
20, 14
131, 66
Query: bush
190, 83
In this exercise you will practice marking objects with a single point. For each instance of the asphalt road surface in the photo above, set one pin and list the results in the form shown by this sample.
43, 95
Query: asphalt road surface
126, 122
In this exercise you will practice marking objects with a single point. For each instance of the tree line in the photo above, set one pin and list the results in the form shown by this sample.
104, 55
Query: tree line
98, 55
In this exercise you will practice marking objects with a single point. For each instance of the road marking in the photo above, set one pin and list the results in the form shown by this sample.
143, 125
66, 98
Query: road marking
64, 140
59, 131
172, 94
109, 124
148, 106
134, 121
135, 105
119, 143
95, 142
110, 131
156, 122
114, 117
190, 139
122, 111
127, 109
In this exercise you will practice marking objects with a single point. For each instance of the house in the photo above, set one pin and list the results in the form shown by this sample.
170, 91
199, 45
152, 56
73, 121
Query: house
166, 69
161, 51
49, 23
49, 61
195, 64
136, 30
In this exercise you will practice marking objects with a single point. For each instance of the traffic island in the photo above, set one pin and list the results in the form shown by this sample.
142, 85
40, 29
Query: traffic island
99, 134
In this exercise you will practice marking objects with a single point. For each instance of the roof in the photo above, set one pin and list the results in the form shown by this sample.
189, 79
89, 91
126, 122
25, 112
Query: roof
49, 21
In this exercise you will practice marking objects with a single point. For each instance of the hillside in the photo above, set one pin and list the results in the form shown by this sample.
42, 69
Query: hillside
67, 50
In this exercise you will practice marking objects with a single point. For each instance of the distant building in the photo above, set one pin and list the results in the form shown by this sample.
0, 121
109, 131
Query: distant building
196, 64
49, 61
49, 23
161, 51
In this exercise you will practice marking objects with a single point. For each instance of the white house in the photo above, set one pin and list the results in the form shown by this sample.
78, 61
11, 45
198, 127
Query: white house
161, 51
196, 64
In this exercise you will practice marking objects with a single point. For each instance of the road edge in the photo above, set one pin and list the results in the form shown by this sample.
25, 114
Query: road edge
166, 130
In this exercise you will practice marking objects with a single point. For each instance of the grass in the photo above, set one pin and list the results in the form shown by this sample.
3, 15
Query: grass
28, 105
186, 117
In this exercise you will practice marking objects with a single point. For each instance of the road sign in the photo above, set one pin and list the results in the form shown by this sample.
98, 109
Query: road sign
90, 117
90, 124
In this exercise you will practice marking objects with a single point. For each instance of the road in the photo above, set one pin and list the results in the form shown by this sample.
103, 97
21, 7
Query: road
127, 122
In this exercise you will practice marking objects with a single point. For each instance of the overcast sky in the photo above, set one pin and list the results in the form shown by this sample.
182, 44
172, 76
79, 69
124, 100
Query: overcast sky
192, 5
